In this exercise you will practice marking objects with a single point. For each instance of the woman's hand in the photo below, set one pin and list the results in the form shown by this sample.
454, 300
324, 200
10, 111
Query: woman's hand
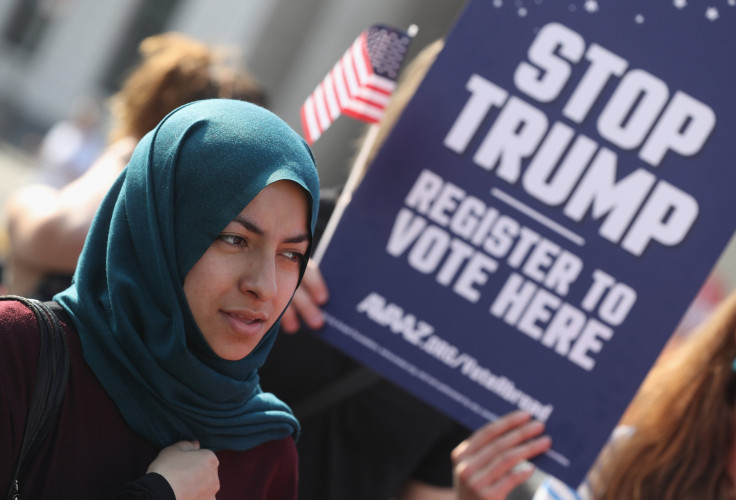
490, 463
190, 471
305, 306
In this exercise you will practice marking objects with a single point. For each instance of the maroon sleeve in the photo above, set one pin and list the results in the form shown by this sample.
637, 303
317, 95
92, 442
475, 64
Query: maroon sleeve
152, 486
267, 472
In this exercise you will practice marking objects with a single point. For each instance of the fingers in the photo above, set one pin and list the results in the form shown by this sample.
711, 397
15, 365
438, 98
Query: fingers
501, 488
191, 472
290, 320
489, 432
492, 461
187, 445
314, 282
302, 308
305, 305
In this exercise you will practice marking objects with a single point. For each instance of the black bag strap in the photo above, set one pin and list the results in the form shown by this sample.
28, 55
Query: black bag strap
51, 378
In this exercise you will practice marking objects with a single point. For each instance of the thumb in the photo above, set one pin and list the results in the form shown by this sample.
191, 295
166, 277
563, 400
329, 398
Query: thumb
188, 445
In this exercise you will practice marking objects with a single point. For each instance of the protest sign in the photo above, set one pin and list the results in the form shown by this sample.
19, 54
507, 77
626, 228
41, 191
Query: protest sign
545, 209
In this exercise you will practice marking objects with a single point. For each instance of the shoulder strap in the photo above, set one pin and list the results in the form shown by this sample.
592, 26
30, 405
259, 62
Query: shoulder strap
51, 378
59, 312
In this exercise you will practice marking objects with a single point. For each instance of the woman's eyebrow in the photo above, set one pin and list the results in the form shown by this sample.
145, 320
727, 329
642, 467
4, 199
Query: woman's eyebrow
300, 238
254, 228
249, 225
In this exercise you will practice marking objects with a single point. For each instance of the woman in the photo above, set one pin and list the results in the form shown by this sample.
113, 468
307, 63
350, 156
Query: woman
188, 266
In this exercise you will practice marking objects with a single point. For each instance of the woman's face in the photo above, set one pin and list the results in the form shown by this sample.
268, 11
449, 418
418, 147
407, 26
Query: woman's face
243, 282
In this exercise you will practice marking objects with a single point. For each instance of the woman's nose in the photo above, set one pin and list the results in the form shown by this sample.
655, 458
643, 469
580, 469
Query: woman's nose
259, 279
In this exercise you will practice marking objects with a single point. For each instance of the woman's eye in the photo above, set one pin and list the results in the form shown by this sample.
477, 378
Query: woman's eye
294, 256
233, 239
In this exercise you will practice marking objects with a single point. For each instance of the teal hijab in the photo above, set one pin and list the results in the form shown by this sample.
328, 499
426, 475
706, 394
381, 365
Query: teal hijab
187, 179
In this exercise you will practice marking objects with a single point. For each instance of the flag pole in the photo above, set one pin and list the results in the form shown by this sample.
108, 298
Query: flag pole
354, 177
347, 192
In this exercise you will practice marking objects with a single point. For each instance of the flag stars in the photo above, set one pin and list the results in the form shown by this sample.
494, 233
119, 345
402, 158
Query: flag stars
591, 6
639, 19
731, 2
498, 3
522, 12
711, 13
680, 4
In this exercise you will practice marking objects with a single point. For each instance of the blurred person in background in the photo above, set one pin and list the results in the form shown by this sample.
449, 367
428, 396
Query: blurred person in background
71, 146
46, 226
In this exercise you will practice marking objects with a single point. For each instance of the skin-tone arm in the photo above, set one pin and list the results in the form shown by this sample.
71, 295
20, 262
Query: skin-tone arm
190, 471
47, 226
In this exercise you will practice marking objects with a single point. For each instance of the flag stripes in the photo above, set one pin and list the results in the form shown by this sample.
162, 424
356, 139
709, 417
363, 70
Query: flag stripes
354, 86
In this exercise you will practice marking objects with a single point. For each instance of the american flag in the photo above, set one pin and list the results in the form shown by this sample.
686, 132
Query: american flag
361, 82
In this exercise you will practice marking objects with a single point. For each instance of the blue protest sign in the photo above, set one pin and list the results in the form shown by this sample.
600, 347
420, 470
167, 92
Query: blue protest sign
544, 211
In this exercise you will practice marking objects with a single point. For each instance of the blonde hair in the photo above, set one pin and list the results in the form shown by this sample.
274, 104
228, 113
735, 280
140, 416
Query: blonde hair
683, 417
176, 69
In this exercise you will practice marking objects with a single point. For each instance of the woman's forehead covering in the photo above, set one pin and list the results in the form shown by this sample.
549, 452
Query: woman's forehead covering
210, 158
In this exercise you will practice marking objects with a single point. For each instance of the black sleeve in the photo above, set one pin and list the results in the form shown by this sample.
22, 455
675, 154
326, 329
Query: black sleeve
435, 468
152, 486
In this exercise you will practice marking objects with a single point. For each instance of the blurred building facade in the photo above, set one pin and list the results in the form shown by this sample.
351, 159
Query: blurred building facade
54, 51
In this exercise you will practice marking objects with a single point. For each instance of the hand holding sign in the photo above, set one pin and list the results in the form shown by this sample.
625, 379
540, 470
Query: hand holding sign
489, 464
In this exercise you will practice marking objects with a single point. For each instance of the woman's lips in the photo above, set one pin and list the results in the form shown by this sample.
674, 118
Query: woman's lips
243, 323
